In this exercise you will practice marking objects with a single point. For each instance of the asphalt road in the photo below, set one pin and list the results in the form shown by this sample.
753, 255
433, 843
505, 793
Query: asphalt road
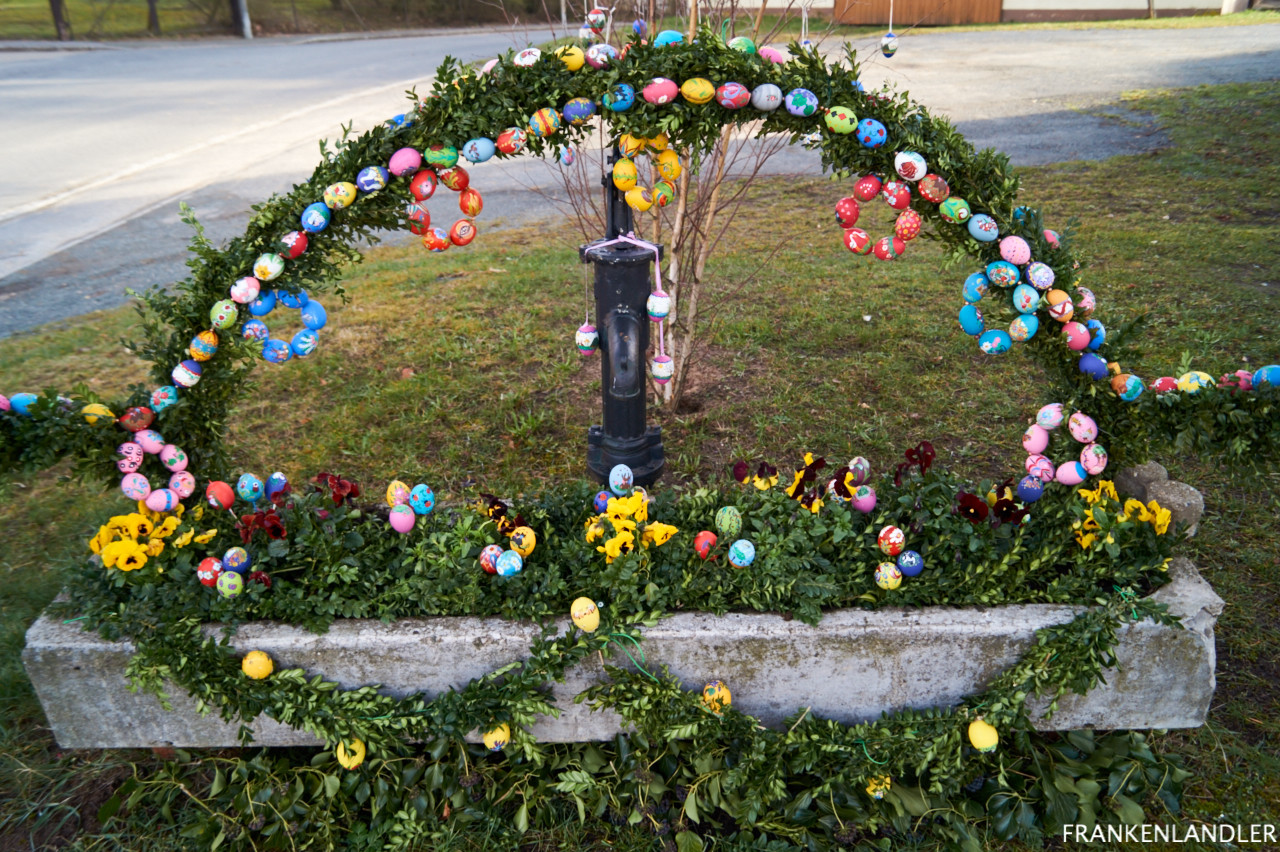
100, 145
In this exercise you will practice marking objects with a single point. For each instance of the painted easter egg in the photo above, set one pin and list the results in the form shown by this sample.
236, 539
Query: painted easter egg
995, 341
667, 37
489, 558
774, 55
203, 346
703, 543
96, 412
733, 95
422, 499
219, 495
276, 351
766, 97
1051, 416
1015, 250
859, 469
131, 456
1040, 275
621, 480
402, 519
245, 290
338, 196
1060, 307
888, 45
663, 193
441, 156
668, 163
523, 541
424, 184
150, 440
578, 111
864, 499
1195, 381
1024, 327
545, 122
568, 156
983, 228
639, 198
624, 174
601, 55
470, 202
527, 57
1086, 302
742, 44
315, 218
1093, 366
801, 103
1030, 489
496, 739
1082, 427
630, 146
161, 500
888, 576
314, 315
910, 563
572, 57
462, 232
186, 374
1025, 299
230, 584
405, 161
841, 120
971, 320
658, 305
933, 188
134, 419
1165, 384
1097, 334
975, 287
1002, 273
620, 98
276, 483
907, 225
509, 564
456, 178
292, 300
249, 488
982, 736
264, 304
1051, 237
954, 210
135, 486
419, 217
512, 140
896, 194
597, 18
397, 493
436, 239
847, 211
891, 540
585, 615
1265, 376
1036, 439
889, 248
208, 570
374, 178
729, 521
909, 165
660, 91
223, 314
1094, 459
173, 458
1077, 336
1040, 467
867, 188
857, 241
303, 342
1070, 473
742, 553
587, 339
716, 696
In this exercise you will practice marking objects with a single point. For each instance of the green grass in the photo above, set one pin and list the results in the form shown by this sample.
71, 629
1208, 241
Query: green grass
459, 369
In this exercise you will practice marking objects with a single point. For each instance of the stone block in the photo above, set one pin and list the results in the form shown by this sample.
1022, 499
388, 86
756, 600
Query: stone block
853, 666
1133, 481
1183, 502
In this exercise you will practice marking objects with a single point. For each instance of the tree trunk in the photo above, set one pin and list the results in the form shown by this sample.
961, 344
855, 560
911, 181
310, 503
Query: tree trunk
153, 17
60, 22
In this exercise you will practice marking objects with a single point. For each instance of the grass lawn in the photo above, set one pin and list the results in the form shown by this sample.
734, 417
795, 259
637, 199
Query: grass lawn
459, 369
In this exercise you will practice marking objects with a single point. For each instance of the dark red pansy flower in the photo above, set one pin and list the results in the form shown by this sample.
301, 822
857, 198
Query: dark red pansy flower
972, 507
741, 472
1008, 512
260, 577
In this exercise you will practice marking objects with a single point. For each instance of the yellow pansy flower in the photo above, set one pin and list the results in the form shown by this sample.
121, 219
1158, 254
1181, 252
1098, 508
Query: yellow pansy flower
198, 512
595, 529
206, 536
1089, 522
155, 547
764, 483
138, 526
1105, 487
1161, 519
1090, 496
166, 528
105, 536
153, 517
659, 533
641, 513
618, 545
1085, 540
1135, 509
125, 555
184, 539
623, 525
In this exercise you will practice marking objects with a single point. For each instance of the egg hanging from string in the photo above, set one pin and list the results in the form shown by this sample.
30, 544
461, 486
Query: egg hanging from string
889, 44
587, 338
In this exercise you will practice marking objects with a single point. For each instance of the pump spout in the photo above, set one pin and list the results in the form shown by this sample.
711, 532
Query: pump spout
622, 347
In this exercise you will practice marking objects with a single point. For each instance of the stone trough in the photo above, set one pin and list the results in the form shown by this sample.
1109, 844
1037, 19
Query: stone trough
853, 666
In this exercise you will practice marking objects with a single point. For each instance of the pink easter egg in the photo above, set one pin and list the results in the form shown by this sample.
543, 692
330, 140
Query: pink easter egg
661, 91
1015, 250
150, 440
406, 161
1077, 336
5, 405
1040, 467
1036, 439
132, 457
1082, 427
161, 500
135, 486
245, 290
402, 518
173, 458
773, 55
1094, 459
183, 484
1070, 473
864, 499
1050, 416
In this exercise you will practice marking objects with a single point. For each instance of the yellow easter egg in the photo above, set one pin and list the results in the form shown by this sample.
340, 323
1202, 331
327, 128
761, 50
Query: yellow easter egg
204, 345
95, 411
624, 174
983, 736
585, 615
397, 493
877, 787
697, 90
716, 696
639, 199
630, 145
497, 738
572, 57
659, 142
350, 758
663, 193
523, 541
257, 665
668, 163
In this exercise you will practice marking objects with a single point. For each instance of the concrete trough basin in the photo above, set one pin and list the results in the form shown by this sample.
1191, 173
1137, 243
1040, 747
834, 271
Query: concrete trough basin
853, 666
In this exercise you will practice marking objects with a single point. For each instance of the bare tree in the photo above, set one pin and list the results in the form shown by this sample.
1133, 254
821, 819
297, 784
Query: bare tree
61, 23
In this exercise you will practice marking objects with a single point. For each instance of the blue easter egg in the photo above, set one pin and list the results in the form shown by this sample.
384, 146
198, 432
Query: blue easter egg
292, 300
314, 316
620, 98
1020, 214
975, 287
1097, 334
236, 559
304, 343
372, 179
163, 397
639, 27
742, 553
509, 563
1002, 273
422, 499
601, 502
400, 120
971, 320
249, 488
1024, 327
871, 133
667, 37
264, 304
1268, 375
478, 150
255, 329
276, 483
621, 479
276, 351
1030, 489
1093, 366
995, 342
983, 228
1026, 299
578, 111
1131, 389
316, 217
910, 563
22, 402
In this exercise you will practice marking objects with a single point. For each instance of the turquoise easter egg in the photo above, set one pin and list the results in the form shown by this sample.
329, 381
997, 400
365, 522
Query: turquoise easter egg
667, 37
620, 98
1024, 327
975, 287
1025, 299
741, 553
422, 499
971, 320
621, 479
479, 149
1002, 273
983, 228
250, 488
509, 564
995, 342
1268, 375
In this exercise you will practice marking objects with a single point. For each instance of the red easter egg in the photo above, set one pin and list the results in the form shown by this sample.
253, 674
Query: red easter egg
703, 543
137, 418
934, 188
470, 203
847, 211
867, 188
455, 178
889, 248
1165, 384
436, 239
220, 495
1240, 380
293, 244
896, 194
462, 232
419, 217
908, 224
208, 571
423, 185
857, 241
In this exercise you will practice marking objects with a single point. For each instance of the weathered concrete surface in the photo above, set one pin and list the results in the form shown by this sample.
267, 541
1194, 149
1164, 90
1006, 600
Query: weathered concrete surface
1134, 481
1183, 502
852, 667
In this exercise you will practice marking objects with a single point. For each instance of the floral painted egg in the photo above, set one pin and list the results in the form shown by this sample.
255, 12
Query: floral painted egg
891, 540
173, 458
402, 519
620, 98
1082, 427
423, 185
163, 397
621, 480
910, 563
203, 346
1194, 381
403, 162
436, 239
1070, 473
304, 343
1093, 366
292, 300
889, 248
668, 163
470, 202
572, 57
703, 543
840, 119
338, 196
249, 488
907, 226
742, 553
896, 194
801, 103
601, 55
975, 287
587, 339
276, 351
1002, 273
995, 341
208, 571
971, 321
315, 218
135, 486
245, 290
1025, 299
639, 198
1030, 489
161, 500
136, 418
729, 521
766, 97
954, 210
442, 156
236, 559
1060, 307
1040, 275
1097, 334
1041, 468
867, 188
578, 111
888, 576
186, 374
667, 37
223, 314
230, 584
1268, 375
568, 156
630, 146
374, 178
857, 241
545, 122
419, 217
860, 469
489, 558
909, 165
983, 228
1015, 250
1024, 327
660, 91
733, 95
509, 563
662, 368
1077, 336
1051, 416
847, 211
864, 499
1093, 459
597, 18
1086, 301
264, 304
934, 188
131, 456
1036, 439
512, 140
527, 57
150, 440
663, 193
455, 177
1165, 384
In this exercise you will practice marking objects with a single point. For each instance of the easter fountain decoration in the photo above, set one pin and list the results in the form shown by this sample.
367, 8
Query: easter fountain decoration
354, 190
